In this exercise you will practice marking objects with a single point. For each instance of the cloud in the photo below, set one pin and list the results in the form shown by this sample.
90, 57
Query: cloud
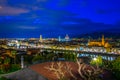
3, 2
107, 11
69, 23
83, 26
8, 10
27, 27
41, 0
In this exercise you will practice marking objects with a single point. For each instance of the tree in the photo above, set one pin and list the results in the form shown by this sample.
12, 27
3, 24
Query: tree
0, 60
74, 56
116, 68
3, 78
50, 56
116, 64
1, 66
107, 64
7, 60
14, 55
60, 70
88, 72
6, 64
70, 56
97, 61
37, 58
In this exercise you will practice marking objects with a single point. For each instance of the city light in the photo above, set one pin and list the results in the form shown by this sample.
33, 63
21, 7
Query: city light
94, 59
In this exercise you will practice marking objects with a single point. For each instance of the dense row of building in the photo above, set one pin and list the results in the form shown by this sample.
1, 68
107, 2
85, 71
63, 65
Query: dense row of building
66, 43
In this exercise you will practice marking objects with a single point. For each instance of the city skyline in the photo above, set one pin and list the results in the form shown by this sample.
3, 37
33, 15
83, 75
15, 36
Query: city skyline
53, 18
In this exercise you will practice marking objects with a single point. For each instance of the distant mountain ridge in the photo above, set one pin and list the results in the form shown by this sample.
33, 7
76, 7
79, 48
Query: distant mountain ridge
96, 35
113, 30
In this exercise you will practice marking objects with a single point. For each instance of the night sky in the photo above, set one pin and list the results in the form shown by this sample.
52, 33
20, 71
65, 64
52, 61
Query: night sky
51, 18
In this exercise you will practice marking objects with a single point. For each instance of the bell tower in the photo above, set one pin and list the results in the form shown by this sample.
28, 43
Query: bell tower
103, 40
41, 38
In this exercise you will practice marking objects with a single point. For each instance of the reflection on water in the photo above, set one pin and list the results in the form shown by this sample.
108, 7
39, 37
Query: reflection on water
110, 58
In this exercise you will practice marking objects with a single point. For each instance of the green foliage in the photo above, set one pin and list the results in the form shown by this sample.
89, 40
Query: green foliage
28, 59
97, 61
3, 78
107, 64
116, 64
7, 68
15, 67
7, 60
37, 58
50, 56
70, 56
116, 68
0, 60
14, 52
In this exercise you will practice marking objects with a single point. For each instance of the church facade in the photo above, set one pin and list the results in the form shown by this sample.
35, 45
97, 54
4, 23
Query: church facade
101, 43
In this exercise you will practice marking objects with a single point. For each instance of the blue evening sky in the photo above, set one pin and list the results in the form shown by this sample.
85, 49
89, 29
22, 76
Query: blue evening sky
51, 18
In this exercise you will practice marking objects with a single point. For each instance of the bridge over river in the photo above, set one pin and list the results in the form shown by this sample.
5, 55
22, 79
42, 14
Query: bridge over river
107, 56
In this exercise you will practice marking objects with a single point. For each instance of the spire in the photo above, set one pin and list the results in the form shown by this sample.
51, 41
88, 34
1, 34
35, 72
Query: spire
59, 38
103, 40
41, 38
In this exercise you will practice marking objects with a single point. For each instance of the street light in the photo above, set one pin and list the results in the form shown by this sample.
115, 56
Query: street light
94, 59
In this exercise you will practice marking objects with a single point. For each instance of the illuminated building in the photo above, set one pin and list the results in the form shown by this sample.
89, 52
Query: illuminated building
32, 39
59, 38
99, 43
103, 40
67, 37
41, 38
